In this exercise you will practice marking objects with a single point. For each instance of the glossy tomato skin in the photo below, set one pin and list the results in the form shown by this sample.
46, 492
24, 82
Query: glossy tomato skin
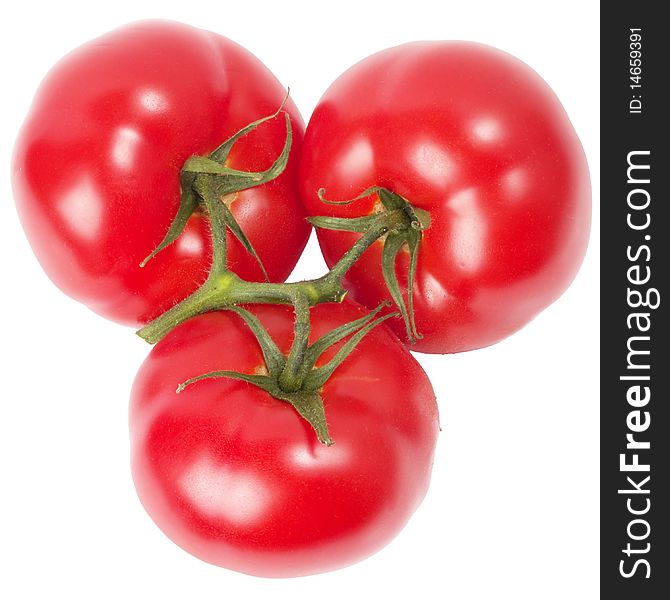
478, 139
96, 166
238, 479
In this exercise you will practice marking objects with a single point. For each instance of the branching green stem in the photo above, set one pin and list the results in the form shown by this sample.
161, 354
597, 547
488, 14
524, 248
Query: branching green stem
224, 288
206, 181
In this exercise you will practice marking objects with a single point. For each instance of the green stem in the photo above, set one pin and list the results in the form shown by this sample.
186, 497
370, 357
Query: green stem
217, 224
290, 380
362, 244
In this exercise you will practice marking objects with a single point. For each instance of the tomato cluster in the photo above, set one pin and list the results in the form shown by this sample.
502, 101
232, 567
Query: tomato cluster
444, 177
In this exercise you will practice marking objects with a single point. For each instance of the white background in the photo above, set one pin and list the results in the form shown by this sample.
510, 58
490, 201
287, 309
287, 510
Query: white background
513, 507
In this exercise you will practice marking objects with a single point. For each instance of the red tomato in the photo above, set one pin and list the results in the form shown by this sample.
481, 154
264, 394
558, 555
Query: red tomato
239, 479
478, 139
96, 166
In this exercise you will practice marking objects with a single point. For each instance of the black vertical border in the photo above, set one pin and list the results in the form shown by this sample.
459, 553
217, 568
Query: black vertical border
621, 133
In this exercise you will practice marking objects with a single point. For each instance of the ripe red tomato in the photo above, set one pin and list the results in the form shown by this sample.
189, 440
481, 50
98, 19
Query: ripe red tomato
478, 139
96, 166
238, 478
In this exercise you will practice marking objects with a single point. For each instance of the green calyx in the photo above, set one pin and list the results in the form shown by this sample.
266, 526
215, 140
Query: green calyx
295, 378
205, 181
408, 223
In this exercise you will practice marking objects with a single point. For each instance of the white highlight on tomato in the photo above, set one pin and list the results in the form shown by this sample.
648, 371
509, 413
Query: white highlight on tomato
81, 209
153, 101
238, 496
431, 288
190, 243
468, 230
124, 146
515, 183
432, 162
358, 159
317, 457
486, 129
